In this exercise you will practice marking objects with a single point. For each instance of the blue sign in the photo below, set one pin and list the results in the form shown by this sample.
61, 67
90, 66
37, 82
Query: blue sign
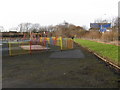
106, 25
94, 25
98, 25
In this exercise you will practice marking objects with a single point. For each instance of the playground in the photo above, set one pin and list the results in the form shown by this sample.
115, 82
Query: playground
60, 44
54, 62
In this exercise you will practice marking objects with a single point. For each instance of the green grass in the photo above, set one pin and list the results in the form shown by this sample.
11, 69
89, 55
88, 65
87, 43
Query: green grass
105, 50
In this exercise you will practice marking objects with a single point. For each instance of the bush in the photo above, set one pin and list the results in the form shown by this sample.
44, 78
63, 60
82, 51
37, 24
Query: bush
109, 36
93, 35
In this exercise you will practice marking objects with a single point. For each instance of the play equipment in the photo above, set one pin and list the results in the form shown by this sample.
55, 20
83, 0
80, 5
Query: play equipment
15, 48
39, 44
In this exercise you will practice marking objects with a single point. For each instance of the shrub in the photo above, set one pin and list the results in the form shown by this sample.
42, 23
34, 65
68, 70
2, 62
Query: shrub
109, 36
93, 35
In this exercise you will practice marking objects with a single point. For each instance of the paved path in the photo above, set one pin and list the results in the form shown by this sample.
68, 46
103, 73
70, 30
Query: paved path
48, 70
68, 54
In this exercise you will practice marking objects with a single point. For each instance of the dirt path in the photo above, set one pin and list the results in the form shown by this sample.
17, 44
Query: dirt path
41, 71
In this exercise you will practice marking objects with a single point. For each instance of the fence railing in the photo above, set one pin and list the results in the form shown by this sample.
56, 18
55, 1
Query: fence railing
43, 43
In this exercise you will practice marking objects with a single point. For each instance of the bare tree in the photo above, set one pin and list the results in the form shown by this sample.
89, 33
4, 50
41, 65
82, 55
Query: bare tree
113, 21
42, 29
100, 20
50, 28
84, 27
35, 27
67, 30
25, 27
116, 22
20, 26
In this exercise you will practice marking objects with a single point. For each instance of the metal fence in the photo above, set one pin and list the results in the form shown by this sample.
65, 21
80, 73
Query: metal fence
43, 43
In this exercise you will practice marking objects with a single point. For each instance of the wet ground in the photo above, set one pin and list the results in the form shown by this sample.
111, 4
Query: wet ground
45, 70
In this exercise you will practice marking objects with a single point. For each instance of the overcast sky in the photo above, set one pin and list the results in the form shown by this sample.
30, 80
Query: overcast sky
53, 12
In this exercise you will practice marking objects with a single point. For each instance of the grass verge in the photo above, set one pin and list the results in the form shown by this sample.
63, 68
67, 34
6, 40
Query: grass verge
109, 52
